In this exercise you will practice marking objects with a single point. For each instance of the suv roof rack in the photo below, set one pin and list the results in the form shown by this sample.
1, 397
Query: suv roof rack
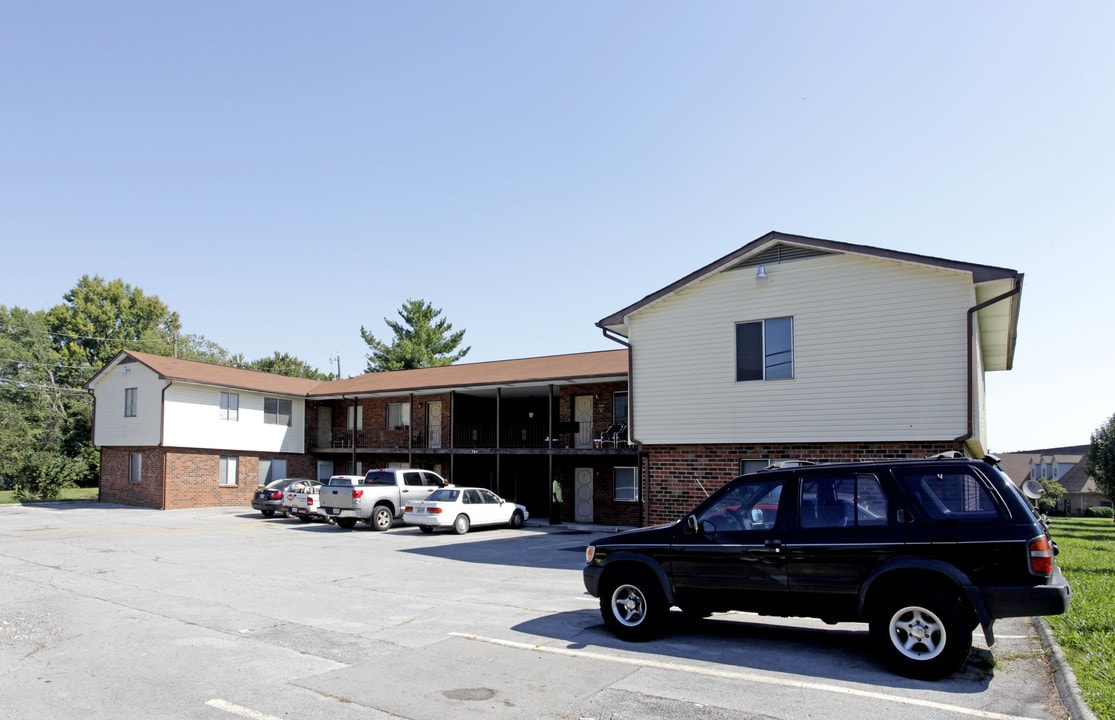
782, 464
949, 455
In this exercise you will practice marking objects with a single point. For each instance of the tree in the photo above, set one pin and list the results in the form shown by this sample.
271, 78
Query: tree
1051, 497
1101, 458
419, 341
284, 364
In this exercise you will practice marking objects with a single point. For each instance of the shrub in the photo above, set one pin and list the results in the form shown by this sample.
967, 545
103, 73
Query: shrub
1099, 511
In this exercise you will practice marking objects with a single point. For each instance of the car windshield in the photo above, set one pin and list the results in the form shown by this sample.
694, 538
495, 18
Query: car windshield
444, 495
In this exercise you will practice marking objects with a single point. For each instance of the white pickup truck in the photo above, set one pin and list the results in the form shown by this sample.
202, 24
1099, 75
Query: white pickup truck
379, 497
301, 500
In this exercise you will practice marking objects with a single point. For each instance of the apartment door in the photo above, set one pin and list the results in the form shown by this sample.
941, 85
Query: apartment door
324, 426
433, 424
324, 469
582, 495
582, 415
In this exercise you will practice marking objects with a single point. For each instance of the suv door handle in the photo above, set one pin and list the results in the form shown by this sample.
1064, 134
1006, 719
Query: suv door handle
775, 545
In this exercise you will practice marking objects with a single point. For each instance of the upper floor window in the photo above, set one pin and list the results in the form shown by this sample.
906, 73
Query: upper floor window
619, 408
398, 415
230, 406
355, 417
765, 349
131, 400
277, 411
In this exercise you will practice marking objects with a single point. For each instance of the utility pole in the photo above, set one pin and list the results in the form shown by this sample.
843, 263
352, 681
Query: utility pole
336, 356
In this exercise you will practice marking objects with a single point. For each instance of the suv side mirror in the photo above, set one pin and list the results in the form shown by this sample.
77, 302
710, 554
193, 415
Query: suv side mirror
692, 525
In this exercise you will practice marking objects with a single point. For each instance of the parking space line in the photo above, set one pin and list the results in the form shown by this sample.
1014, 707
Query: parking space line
745, 676
239, 710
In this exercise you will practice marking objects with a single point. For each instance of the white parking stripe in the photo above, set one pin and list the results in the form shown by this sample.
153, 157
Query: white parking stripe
747, 677
239, 710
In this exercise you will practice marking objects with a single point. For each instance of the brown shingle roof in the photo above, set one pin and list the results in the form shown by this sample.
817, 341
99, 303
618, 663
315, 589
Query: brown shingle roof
578, 367
208, 374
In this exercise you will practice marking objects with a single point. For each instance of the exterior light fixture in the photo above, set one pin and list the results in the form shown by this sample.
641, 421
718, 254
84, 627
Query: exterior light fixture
761, 275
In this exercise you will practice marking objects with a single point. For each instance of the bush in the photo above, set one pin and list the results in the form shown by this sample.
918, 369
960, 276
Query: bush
1098, 511
45, 474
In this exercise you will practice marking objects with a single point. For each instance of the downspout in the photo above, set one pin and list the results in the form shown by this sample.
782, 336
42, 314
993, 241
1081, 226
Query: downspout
162, 438
958, 442
93, 437
639, 456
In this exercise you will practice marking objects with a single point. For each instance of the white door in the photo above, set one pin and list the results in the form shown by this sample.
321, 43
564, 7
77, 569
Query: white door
582, 495
433, 424
324, 469
324, 426
582, 415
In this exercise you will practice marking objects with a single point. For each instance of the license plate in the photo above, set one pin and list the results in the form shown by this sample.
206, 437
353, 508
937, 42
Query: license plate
330, 511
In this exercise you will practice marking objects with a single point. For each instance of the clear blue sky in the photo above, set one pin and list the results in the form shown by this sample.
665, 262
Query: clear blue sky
281, 173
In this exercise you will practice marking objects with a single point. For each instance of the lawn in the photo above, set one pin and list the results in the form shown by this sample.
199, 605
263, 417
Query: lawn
7, 497
1087, 631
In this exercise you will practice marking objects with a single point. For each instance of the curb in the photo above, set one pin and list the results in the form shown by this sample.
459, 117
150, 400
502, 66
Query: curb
1063, 676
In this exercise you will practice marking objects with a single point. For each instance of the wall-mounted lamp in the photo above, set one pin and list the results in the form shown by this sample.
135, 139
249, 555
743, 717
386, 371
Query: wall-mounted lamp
530, 414
761, 275
125, 370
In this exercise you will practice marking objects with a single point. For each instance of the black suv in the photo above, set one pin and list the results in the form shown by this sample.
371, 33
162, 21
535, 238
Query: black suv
923, 551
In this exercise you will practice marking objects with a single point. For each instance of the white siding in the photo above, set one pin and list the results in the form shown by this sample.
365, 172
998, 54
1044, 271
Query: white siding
110, 427
879, 355
193, 419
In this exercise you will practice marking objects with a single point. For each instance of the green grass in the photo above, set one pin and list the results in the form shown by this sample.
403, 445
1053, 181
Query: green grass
1087, 631
7, 497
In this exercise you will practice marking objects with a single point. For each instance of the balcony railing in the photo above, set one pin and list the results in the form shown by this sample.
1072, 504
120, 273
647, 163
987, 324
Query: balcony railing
470, 435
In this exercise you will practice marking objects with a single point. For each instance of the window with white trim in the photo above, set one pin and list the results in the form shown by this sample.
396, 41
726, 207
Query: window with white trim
230, 406
131, 401
271, 469
135, 467
355, 417
765, 349
277, 411
626, 484
398, 415
227, 471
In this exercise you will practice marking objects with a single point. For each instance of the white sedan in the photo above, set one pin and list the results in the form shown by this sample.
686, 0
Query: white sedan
461, 508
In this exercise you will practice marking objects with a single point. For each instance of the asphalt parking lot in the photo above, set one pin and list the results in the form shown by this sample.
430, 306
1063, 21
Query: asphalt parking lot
115, 612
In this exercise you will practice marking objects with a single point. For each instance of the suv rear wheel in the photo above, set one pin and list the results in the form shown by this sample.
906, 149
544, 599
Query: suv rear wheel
632, 605
921, 632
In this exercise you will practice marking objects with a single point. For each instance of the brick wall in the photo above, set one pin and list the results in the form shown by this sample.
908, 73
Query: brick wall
116, 487
677, 477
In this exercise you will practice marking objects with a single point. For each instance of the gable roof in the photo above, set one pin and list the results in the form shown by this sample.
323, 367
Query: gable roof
556, 369
998, 322
202, 373
598, 366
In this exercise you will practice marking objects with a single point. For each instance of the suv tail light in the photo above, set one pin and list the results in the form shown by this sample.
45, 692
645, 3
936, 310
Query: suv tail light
1041, 556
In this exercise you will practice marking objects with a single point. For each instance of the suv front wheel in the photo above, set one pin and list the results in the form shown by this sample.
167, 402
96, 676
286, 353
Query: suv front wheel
921, 632
632, 605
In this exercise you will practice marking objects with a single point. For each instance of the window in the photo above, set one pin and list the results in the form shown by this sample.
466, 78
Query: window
843, 501
950, 495
749, 505
765, 350
271, 470
276, 411
626, 484
135, 467
619, 408
357, 413
131, 399
230, 406
398, 415
227, 472
750, 466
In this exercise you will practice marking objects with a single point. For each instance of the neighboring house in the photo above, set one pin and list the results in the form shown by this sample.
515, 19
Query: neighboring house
177, 433
801, 348
1068, 466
